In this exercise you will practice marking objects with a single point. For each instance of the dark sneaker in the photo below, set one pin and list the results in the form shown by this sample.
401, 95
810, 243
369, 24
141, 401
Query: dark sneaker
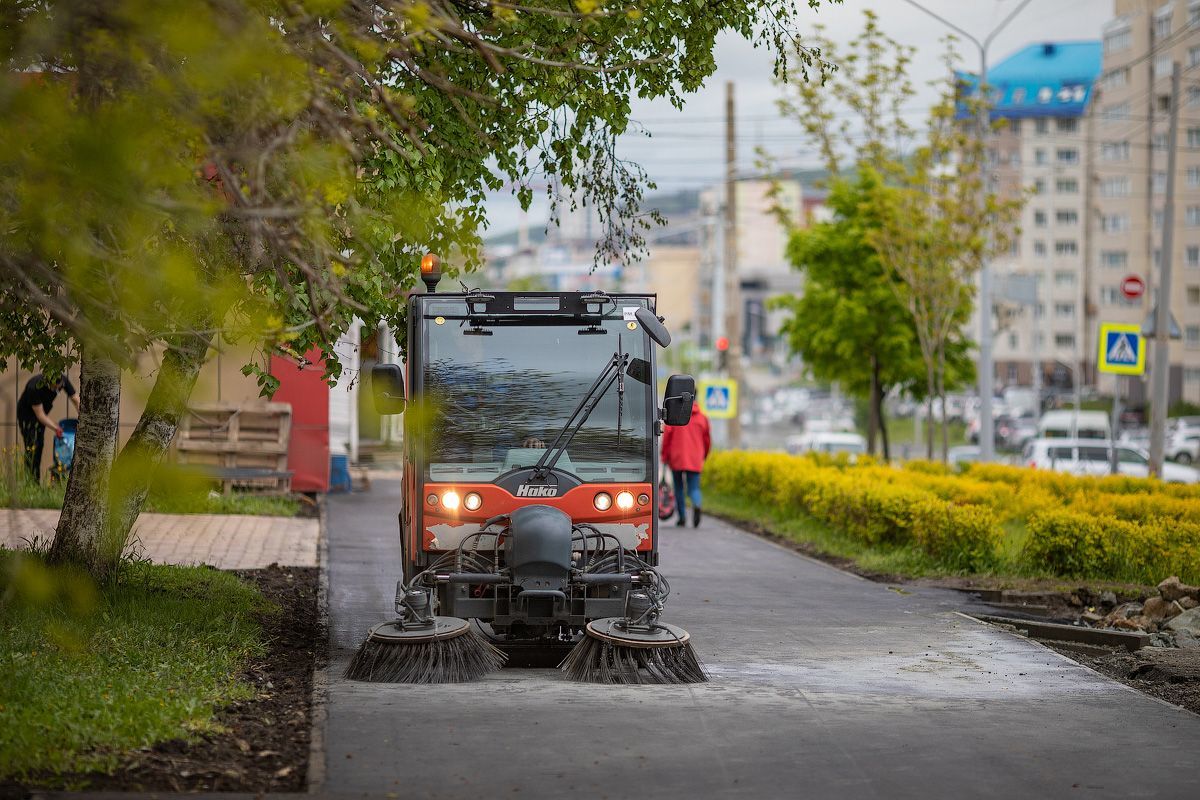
681, 523
696, 517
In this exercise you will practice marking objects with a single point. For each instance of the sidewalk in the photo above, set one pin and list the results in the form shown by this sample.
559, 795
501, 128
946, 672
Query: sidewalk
225, 541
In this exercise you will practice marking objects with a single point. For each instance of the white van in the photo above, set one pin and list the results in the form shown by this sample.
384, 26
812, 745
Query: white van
826, 442
1068, 424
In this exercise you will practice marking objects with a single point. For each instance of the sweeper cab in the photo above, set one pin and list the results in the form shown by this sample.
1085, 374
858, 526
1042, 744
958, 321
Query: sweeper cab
528, 518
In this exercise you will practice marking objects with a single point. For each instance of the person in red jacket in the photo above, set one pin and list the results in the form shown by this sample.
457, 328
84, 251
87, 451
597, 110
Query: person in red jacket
684, 450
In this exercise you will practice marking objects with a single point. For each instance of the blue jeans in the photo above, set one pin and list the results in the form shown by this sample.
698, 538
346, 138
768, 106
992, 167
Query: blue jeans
692, 479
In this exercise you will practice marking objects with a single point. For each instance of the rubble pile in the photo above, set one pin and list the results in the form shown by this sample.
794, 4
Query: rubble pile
1173, 614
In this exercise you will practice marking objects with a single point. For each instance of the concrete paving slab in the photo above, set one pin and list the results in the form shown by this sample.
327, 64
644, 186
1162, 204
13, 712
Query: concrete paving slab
823, 684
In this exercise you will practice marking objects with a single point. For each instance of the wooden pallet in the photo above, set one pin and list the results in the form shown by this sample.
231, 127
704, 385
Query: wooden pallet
241, 446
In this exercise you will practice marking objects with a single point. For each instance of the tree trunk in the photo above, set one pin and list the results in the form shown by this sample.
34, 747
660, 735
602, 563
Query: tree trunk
134, 469
883, 432
872, 408
931, 389
941, 381
84, 534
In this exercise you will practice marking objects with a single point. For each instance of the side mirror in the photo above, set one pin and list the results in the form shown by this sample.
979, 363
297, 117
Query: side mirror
677, 405
387, 388
655, 329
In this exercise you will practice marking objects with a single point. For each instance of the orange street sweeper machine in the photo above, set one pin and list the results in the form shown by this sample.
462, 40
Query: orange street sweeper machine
528, 519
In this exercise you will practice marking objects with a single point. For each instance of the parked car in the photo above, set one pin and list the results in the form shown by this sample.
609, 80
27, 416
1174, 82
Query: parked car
1071, 424
826, 442
1093, 457
963, 454
1184, 446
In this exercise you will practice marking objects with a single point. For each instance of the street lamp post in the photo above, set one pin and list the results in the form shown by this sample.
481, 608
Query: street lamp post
987, 368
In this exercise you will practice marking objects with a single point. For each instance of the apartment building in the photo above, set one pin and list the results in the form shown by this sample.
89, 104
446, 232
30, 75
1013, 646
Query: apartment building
1131, 128
1043, 93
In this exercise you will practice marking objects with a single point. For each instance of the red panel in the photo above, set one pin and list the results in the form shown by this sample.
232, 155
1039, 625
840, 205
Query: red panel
308, 452
576, 503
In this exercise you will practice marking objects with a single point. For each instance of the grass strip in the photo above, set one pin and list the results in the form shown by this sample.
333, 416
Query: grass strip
91, 673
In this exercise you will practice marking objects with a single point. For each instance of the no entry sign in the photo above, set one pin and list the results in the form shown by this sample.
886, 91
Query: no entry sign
1133, 287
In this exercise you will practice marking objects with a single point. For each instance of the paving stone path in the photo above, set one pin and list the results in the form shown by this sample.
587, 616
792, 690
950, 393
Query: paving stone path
225, 541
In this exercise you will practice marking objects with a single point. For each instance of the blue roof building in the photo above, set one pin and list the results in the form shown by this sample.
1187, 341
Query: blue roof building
1051, 79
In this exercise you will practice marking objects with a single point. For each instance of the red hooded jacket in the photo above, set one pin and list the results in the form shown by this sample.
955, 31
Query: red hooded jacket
685, 448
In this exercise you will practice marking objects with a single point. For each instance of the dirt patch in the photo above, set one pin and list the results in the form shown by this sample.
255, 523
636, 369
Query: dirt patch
265, 743
1169, 674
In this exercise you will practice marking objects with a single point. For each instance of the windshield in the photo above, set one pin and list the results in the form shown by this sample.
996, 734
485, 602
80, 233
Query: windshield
496, 402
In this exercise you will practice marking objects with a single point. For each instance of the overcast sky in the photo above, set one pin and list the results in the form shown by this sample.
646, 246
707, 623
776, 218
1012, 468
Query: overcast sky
686, 148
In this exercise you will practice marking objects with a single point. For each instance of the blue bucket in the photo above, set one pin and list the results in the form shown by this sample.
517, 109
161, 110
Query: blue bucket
339, 474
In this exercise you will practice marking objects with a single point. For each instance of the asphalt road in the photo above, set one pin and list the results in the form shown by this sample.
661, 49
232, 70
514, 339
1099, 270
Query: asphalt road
824, 685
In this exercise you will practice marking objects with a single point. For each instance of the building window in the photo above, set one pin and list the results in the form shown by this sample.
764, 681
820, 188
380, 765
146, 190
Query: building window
1191, 336
1041, 125
1192, 216
1066, 247
1118, 187
1157, 219
1039, 157
1115, 79
1066, 125
1191, 255
1194, 12
1039, 186
1039, 219
1012, 341
1039, 249
1159, 141
1064, 340
1118, 40
1116, 259
1193, 96
1193, 177
1162, 66
1159, 182
1066, 186
1114, 223
1117, 113
1066, 217
1064, 310
1162, 21
1193, 295
1069, 155
1063, 278
1191, 374
1114, 151
1193, 56
1193, 138
1014, 125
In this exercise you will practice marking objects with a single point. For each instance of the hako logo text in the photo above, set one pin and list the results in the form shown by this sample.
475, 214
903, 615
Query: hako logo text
529, 490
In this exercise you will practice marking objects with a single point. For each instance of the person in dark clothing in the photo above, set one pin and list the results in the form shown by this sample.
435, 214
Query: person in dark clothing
33, 416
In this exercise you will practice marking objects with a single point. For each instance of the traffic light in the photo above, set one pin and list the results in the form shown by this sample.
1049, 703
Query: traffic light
722, 351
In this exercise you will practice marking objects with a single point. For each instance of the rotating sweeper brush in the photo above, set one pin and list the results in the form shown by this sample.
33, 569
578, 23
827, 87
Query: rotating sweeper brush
422, 648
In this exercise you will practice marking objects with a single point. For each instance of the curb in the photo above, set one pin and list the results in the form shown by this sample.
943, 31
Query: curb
315, 779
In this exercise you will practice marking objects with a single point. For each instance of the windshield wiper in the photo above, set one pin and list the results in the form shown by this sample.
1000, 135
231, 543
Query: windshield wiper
614, 370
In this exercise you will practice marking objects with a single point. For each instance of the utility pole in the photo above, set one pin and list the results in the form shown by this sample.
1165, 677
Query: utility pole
733, 299
1162, 322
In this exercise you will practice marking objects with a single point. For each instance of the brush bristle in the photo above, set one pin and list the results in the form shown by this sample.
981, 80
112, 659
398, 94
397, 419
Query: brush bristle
597, 661
462, 658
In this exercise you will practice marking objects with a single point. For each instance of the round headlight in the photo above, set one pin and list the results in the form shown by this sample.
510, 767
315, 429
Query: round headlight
602, 501
624, 500
450, 500
472, 501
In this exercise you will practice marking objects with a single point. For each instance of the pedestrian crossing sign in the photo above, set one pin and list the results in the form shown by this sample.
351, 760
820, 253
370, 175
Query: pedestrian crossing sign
718, 398
1122, 349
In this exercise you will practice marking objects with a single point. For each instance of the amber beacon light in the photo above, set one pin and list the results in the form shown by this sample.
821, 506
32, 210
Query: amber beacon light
431, 271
